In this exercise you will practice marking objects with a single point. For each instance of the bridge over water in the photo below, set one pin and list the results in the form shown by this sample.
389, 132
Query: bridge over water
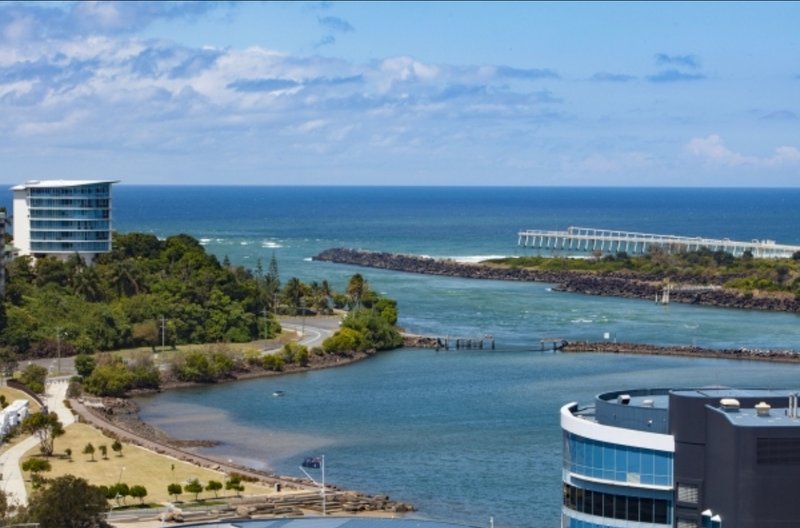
589, 239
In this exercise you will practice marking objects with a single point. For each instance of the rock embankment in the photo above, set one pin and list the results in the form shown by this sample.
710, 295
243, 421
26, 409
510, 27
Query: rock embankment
779, 356
685, 289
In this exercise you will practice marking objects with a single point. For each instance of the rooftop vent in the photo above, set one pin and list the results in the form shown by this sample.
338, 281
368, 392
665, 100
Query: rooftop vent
647, 403
762, 409
730, 404
624, 399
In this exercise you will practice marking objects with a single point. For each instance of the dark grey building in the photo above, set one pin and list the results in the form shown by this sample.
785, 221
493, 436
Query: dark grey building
687, 458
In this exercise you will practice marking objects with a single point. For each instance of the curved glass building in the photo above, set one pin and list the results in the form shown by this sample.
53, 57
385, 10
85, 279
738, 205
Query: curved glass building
62, 218
688, 458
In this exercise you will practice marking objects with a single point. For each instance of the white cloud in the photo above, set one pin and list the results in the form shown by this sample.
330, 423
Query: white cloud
712, 150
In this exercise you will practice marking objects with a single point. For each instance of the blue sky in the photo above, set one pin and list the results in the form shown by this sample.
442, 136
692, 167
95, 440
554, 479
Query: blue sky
407, 93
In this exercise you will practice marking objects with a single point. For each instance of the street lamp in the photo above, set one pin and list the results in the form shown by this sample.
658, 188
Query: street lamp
58, 349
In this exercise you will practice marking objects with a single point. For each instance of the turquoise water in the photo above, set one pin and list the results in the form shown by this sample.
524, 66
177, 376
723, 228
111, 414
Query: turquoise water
463, 435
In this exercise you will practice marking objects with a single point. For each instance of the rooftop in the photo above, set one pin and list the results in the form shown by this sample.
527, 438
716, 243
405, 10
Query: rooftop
777, 417
727, 392
58, 183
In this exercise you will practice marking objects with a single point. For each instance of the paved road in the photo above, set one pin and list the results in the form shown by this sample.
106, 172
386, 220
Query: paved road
312, 331
13, 479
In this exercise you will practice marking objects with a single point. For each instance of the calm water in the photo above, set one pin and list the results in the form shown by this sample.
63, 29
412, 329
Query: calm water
463, 435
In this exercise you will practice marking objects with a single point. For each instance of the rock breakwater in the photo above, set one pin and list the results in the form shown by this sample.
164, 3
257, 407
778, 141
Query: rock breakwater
779, 356
685, 289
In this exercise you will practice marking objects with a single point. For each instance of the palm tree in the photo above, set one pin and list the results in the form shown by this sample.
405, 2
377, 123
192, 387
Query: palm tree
356, 288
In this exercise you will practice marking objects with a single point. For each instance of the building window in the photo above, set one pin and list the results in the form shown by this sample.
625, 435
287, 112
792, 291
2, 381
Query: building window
613, 506
619, 463
686, 523
688, 493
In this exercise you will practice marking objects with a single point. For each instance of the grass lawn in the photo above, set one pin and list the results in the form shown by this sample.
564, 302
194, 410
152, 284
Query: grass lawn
135, 466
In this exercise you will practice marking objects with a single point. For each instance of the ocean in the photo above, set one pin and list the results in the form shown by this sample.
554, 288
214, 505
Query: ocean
464, 435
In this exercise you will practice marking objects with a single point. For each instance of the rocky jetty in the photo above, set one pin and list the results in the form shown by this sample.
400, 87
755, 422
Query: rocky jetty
685, 289
779, 356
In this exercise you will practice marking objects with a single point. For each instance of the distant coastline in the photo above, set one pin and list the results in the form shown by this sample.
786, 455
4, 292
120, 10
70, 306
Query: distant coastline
606, 284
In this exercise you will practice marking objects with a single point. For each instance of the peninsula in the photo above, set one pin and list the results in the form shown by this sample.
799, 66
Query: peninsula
701, 277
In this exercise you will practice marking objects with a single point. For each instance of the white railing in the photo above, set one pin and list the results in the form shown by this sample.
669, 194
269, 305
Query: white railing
578, 239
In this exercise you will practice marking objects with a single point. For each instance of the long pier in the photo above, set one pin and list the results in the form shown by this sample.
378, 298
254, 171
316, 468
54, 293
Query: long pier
589, 239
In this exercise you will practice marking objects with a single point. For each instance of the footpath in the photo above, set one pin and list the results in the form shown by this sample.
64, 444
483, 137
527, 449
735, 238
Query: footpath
13, 480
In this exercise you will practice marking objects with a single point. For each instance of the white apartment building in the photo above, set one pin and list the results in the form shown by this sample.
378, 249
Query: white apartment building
63, 217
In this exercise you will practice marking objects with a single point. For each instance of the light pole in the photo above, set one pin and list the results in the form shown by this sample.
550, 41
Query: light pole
163, 331
303, 307
58, 350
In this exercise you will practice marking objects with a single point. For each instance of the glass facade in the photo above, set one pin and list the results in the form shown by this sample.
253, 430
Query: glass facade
69, 219
614, 506
616, 463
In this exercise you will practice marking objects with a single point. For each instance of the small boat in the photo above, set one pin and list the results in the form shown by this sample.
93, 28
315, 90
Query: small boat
278, 393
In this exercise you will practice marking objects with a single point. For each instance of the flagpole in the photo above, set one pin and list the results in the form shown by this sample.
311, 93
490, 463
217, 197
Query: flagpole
324, 505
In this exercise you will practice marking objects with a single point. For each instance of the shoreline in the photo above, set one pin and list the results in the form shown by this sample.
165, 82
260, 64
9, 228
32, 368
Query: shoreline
119, 418
686, 289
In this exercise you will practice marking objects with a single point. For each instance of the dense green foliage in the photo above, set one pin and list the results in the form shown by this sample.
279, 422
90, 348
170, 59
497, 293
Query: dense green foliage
114, 377
67, 502
744, 273
368, 326
66, 306
34, 377
203, 366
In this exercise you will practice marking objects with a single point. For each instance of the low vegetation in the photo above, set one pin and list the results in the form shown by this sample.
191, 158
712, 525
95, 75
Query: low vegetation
743, 273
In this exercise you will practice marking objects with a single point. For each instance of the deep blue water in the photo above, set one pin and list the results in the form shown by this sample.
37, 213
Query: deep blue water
464, 435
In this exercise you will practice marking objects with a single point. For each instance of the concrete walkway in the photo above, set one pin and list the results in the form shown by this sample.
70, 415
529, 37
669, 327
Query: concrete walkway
13, 479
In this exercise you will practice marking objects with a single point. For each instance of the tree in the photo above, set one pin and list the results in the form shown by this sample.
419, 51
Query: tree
36, 466
215, 486
138, 492
34, 377
103, 451
175, 490
68, 502
46, 427
117, 447
68, 452
84, 365
234, 483
89, 450
8, 360
147, 333
194, 487
118, 492
356, 288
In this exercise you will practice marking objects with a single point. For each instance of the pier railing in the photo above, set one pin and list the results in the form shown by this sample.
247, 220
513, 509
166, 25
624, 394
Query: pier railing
589, 239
